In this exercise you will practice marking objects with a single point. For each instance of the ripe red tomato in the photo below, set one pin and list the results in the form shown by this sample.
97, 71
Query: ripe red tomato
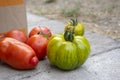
17, 34
41, 30
39, 44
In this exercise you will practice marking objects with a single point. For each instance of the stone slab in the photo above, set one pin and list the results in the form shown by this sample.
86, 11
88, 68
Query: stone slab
105, 66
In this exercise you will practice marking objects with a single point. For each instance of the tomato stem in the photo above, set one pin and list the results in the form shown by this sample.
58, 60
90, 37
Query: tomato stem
45, 35
68, 35
73, 22
69, 32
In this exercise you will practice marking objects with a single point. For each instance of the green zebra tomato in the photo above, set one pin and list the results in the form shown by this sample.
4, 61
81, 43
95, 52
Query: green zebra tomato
79, 27
67, 51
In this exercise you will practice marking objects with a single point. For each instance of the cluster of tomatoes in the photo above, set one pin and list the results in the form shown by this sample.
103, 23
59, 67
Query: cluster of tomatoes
66, 51
22, 51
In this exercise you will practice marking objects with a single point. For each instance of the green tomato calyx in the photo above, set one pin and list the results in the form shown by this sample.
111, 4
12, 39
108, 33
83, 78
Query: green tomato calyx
68, 35
73, 22
69, 31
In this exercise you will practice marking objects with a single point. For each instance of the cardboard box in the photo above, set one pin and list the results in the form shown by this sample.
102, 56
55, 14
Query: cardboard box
12, 15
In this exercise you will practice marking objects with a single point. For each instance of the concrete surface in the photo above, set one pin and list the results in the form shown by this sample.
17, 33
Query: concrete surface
102, 64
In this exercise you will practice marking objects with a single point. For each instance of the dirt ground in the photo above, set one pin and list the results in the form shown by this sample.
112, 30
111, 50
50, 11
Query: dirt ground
100, 16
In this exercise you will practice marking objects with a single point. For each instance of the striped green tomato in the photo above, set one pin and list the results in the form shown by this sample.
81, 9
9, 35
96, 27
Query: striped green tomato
67, 54
79, 27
